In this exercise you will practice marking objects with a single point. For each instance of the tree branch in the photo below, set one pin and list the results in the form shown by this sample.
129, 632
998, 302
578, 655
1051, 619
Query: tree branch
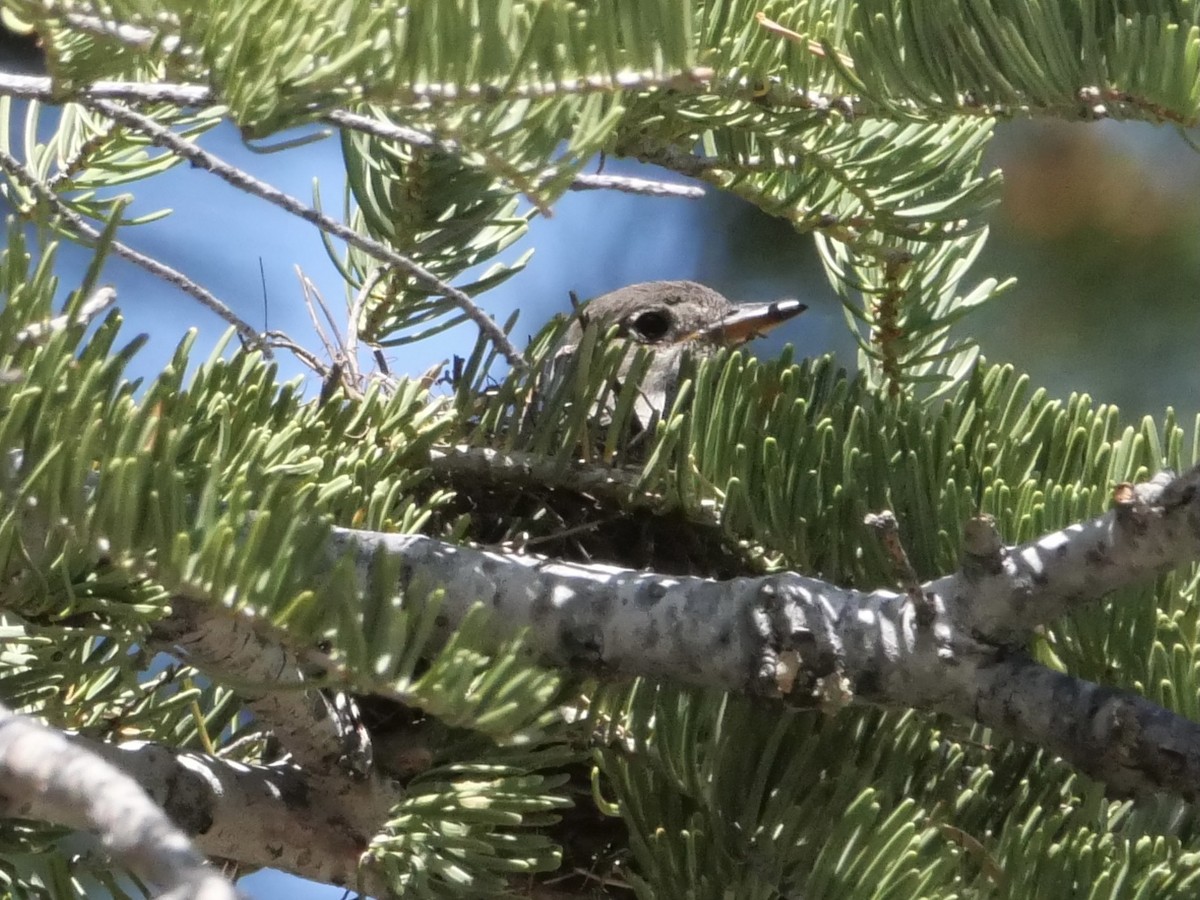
1132, 745
322, 732
49, 778
17, 172
810, 643
254, 814
391, 132
270, 679
191, 151
42, 89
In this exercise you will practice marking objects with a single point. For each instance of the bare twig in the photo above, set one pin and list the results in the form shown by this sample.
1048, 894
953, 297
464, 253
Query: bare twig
361, 296
172, 276
885, 525
284, 341
335, 346
341, 351
189, 150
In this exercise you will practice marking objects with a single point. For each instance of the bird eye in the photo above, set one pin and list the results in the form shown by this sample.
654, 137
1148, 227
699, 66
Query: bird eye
652, 325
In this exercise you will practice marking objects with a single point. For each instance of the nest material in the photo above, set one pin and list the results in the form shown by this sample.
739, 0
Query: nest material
570, 525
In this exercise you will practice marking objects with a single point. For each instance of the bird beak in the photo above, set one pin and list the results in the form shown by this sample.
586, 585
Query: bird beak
750, 320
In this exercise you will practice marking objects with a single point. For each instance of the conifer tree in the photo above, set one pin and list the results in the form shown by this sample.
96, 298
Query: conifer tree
920, 630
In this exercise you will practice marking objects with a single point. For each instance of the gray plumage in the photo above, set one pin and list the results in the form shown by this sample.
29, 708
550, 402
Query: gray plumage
657, 313
674, 318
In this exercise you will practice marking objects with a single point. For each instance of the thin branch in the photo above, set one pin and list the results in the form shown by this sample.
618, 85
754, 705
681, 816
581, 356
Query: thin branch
676, 159
41, 88
47, 777
136, 37
628, 185
194, 95
67, 167
189, 150
100, 300
172, 276
391, 132
283, 341
695, 80
810, 643
335, 345
1089, 102
132, 36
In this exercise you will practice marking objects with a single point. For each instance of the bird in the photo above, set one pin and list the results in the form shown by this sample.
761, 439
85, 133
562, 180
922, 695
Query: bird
674, 318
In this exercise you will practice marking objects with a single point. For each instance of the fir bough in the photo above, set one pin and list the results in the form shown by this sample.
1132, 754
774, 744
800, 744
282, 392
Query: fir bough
863, 122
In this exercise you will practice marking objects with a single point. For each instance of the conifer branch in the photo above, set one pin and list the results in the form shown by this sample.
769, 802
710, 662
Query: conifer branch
812, 644
792, 454
390, 131
1089, 102
161, 270
191, 151
41, 88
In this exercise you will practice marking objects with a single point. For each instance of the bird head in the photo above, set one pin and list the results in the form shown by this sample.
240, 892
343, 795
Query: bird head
672, 319
664, 314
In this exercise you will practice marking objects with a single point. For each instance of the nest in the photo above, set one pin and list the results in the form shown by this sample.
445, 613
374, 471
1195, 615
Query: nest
574, 526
